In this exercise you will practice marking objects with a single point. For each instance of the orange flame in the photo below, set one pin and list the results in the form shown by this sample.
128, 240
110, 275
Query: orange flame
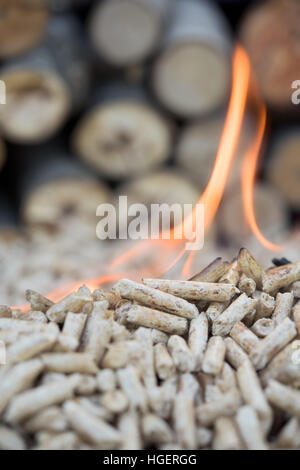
248, 176
212, 195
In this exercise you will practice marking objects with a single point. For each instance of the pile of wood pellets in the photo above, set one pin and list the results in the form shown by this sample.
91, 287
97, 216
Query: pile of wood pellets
208, 363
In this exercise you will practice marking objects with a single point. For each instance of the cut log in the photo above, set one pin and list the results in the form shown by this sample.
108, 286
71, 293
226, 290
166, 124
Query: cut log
270, 34
57, 191
123, 135
166, 186
46, 84
191, 76
198, 145
270, 211
284, 167
127, 31
22, 25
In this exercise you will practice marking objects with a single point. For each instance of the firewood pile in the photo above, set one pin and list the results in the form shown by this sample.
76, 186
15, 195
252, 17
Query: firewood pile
129, 97
210, 363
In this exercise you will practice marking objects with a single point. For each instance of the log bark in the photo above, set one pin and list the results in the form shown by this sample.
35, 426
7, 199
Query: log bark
127, 31
269, 34
22, 25
270, 211
191, 76
43, 87
283, 170
57, 191
123, 136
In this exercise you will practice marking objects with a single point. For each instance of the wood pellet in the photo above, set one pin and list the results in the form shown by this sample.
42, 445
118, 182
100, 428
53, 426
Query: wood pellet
210, 363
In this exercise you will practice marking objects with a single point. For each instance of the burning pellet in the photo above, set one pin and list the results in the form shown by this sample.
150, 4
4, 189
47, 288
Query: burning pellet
197, 340
239, 308
181, 354
184, 421
296, 289
133, 389
232, 274
244, 337
11, 440
74, 325
212, 273
247, 285
214, 356
17, 379
285, 366
289, 436
215, 309
155, 298
121, 354
37, 301
68, 363
50, 419
129, 428
226, 436
192, 290
27, 403
273, 343
5, 312
253, 394
248, 265
250, 429
30, 346
265, 304
143, 335
234, 353
72, 303
283, 306
226, 405
283, 397
263, 327
99, 339
155, 430
283, 276
93, 429
114, 401
144, 316
106, 380
159, 336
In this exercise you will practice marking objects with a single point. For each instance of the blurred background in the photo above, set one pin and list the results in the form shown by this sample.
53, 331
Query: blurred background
129, 97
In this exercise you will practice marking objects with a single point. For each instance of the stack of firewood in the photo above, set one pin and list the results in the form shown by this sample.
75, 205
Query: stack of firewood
114, 97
